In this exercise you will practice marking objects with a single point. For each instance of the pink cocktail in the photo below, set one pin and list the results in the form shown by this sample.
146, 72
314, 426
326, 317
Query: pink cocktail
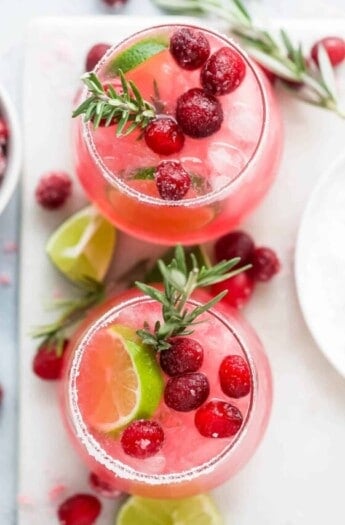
230, 170
187, 462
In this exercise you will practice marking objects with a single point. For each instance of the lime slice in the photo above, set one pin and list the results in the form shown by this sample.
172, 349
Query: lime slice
197, 510
135, 55
123, 376
82, 247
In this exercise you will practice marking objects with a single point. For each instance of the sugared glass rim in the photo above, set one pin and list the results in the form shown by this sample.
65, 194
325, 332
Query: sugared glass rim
213, 196
117, 467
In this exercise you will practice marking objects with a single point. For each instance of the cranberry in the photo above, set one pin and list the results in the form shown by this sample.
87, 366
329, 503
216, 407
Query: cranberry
189, 48
234, 244
3, 163
94, 55
1, 394
335, 48
48, 363
240, 289
103, 487
164, 136
184, 355
53, 189
198, 113
218, 419
113, 3
223, 72
187, 392
172, 180
142, 439
234, 375
3, 132
81, 509
265, 264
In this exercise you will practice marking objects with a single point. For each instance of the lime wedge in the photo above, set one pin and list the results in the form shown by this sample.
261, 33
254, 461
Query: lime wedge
135, 55
82, 247
123, 376
197, 510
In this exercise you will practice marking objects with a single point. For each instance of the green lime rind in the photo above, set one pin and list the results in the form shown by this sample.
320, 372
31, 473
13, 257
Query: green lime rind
200, 510
82, 246
135, 55
150, 379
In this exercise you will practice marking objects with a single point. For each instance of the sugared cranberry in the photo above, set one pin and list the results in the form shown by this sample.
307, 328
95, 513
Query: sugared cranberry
3, 163
94, 55
184, 355
3, 132
198, 113
240, 289
187, 392
103, 487
335, 48
48, 361
142, 439
265, 264
81, 509
218, 419
234, 375
234, 244
53, 189
172, 180
113, 3
189, 48
223, 72
164, 136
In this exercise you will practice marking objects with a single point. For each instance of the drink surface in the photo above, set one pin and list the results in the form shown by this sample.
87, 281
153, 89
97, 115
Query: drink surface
229, 171
184, 447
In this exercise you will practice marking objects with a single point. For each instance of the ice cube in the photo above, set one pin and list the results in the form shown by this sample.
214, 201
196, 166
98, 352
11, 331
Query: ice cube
244, 125
226, 162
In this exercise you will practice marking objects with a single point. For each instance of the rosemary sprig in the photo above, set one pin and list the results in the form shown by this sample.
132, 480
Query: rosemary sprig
312, 83
178, 285
106, 105
73, 310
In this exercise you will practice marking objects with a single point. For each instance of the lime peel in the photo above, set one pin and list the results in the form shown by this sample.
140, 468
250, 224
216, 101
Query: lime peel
138, 53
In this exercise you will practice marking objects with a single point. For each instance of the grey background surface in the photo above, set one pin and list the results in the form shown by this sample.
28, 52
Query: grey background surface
14, 17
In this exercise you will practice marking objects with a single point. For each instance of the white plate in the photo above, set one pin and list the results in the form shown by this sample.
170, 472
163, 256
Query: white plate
320, 264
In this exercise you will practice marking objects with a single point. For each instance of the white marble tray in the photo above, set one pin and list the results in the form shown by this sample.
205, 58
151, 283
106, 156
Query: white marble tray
296, 478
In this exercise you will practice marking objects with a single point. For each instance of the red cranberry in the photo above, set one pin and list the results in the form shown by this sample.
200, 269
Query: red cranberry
234, 375
113, 3
142, 439
48, 363
240, 289
1, 394
234, 244
164, 136
218, 419
335, 48
94, 55
81, 509
103, 487
172, 180
187, 392
3, 132
184, 355
189, 48
265, 264
198, 113
223, 72
53, 189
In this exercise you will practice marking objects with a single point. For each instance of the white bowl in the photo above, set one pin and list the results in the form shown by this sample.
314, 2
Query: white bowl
14, 149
